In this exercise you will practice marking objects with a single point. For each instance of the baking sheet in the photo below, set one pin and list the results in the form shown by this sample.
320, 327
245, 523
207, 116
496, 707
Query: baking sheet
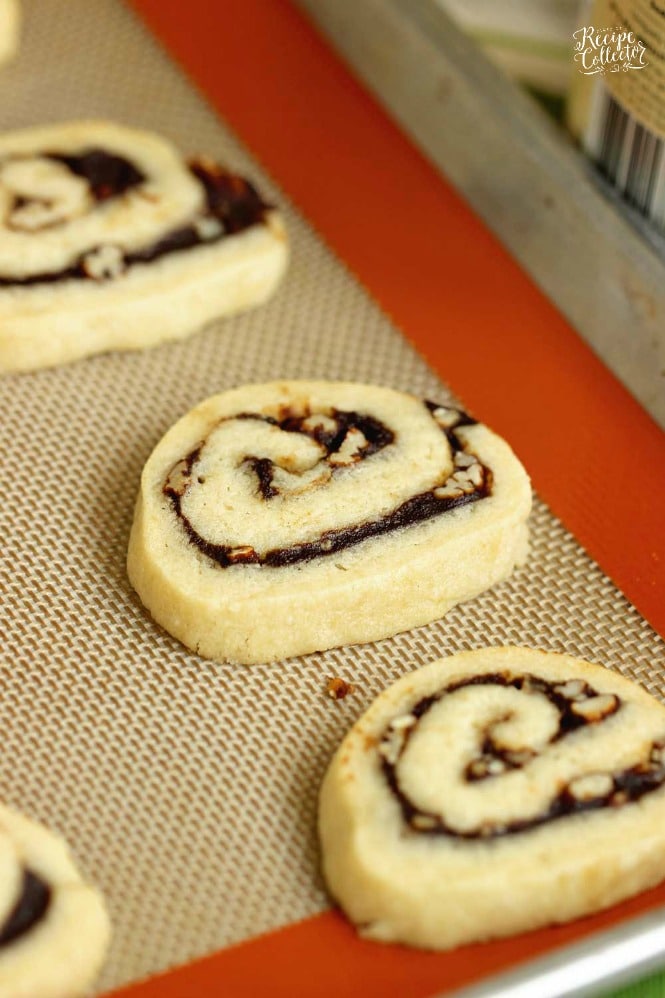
186, 789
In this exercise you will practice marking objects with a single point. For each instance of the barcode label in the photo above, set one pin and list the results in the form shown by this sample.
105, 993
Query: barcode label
628, 153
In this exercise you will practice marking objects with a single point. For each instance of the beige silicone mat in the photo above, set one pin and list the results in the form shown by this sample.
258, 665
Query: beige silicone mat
187, 789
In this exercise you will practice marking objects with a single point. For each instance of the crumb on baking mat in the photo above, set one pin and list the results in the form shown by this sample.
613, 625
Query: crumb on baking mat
338, 688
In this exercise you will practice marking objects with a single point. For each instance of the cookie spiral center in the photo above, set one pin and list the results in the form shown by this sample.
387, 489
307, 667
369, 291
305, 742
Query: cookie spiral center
99, 214
499, 754
38, 193
287, 488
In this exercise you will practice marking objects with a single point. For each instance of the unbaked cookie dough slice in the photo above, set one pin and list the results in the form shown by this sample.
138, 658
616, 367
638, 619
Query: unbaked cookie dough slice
9, 29
280, 519
110, 241
494, 792
54, 929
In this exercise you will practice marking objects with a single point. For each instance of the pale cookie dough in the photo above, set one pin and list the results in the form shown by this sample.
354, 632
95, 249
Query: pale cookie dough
280, 519
110, 241
54, 929
9, 29
494, 792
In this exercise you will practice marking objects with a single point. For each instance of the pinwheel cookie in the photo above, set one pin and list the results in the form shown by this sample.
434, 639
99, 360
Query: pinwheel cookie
54, 928
493, 792
9, 28
109, 241
286, 518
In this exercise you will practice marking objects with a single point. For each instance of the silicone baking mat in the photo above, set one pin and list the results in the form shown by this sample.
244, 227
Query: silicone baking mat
186, 789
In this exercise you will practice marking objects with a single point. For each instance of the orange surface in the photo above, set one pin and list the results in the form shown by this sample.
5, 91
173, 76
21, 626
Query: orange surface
322, 957
593, 453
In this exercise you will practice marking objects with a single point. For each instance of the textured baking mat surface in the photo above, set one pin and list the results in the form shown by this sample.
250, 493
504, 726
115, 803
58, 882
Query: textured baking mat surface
187, 789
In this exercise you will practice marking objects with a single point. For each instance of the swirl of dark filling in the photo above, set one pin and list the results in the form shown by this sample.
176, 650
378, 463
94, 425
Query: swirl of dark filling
229, 200
578, 705
420, 507
30, 908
